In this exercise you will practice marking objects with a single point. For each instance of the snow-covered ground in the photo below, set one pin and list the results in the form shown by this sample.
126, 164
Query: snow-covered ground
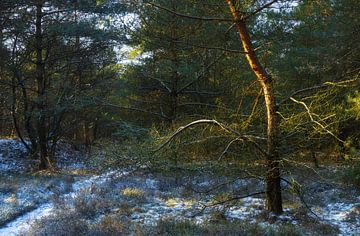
344, 215
156, 207
12, 156
24, 222
153, 198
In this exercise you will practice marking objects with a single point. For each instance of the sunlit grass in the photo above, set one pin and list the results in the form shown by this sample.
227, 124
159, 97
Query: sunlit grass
132, 192
11, 199
173, 202
10, 137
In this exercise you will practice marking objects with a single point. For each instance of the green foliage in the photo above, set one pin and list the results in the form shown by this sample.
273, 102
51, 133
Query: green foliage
127, 130
354, 104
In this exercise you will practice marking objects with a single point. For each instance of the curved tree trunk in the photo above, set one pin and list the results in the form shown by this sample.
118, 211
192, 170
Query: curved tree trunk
14, 95
273, 188
13, 115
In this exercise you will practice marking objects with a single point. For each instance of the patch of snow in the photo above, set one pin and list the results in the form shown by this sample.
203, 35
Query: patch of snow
249, 207
151, 183
23, 223
176, 208
12, 153
13, 156
98, 180
337, 214
182, 209
13, 144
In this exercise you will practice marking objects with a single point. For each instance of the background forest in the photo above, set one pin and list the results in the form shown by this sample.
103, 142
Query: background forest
251, 90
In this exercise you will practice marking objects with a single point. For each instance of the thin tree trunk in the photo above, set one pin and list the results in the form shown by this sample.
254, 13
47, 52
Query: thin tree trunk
14, 100
273, 187
27, 118
175, 65
13, 114
86, 133
41, 83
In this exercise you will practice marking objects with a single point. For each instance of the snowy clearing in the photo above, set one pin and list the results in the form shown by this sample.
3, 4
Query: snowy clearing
145, 199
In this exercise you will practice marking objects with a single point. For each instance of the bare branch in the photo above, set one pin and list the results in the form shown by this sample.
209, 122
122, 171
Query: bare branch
303, 91
201, 75
211, 48
315, 121
297, 190
260, 9
318, 87
161, 82
253, 110
226, 201
106, 103
227, 147
189, 16
203, 92
249, 138
204, 104
209, 190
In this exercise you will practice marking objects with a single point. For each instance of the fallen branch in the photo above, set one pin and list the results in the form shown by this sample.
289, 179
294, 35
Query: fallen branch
234, 198
209, 190
297, 190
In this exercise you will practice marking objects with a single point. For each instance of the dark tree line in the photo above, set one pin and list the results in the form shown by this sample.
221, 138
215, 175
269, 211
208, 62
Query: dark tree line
54, 55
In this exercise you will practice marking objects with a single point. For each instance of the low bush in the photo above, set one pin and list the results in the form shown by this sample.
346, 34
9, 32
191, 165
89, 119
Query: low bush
108, 226
351, 174
169, 227
61, 224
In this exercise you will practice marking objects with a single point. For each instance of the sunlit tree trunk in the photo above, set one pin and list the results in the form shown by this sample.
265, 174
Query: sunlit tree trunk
273, 187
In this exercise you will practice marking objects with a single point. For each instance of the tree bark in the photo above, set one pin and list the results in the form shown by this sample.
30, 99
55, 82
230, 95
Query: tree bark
41, 86
174, 93
13, 114
273, 187
27, 120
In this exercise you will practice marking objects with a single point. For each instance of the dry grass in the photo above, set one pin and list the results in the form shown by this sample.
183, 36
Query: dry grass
132, 192
172, 228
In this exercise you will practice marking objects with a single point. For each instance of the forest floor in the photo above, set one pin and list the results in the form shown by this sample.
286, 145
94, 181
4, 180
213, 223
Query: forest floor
77, 200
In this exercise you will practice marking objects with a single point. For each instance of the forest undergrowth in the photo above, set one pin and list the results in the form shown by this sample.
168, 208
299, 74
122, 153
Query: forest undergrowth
145, 195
